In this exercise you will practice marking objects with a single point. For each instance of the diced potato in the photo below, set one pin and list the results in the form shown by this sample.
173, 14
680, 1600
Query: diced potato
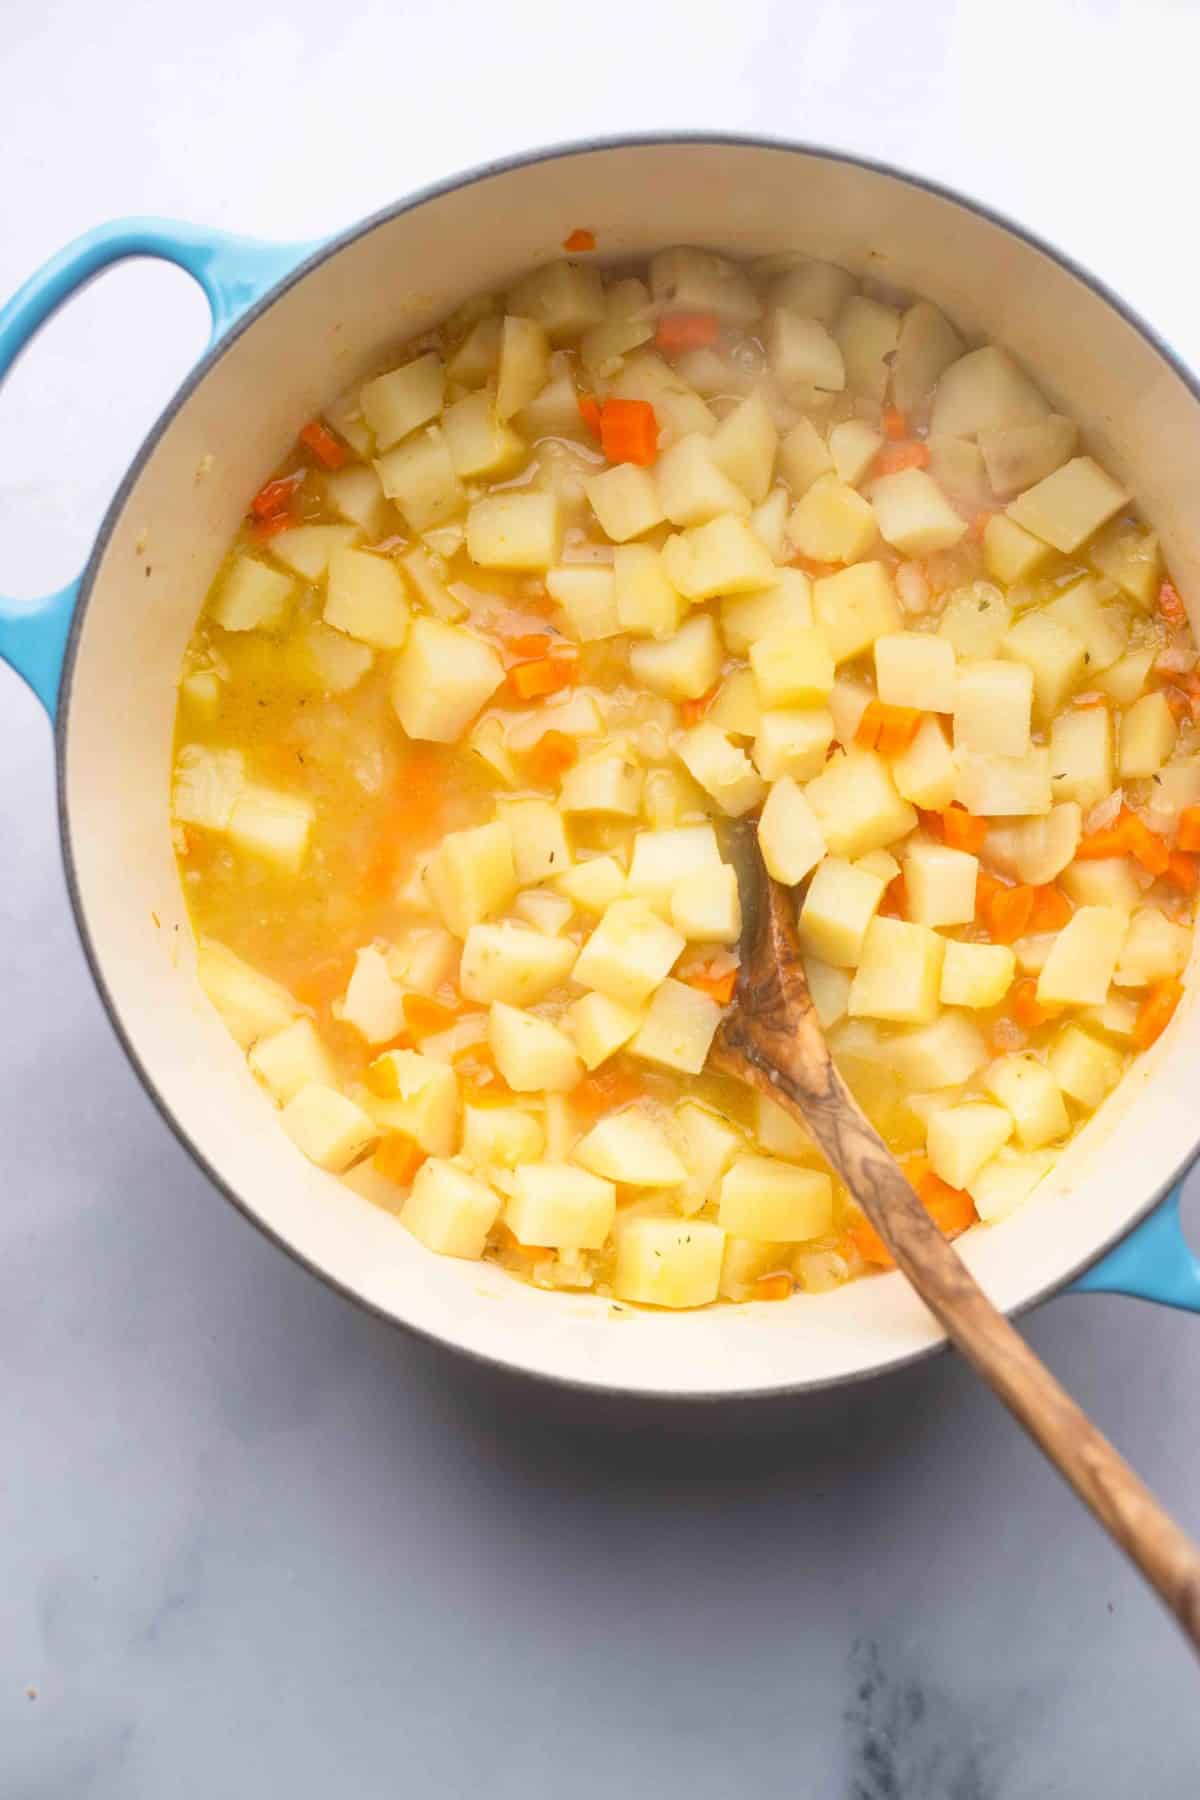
1037, 850
560, 1205
774, 1201
252, 1005
1017, 456
441, 678
1028, 1089
746, 1261
677, 406
789, 835
803, 457
926, 772
1148, 734
832, 522
956, 464
940, 885
668, 1262
684, 666
661, 859
792, 666
544, 910
373, 1003
857, 806
252, 597
1007, 1180
976, 620
396, 403
1066, 507
421, 1101
1083, 958
997, 787
993, 708
943, 1054
450, 1210
514, 531
736, 710
830, 990
501, 1136
841, 902
628, 1146
963, 1138
1032, 950
477, 355
423, 958
471, 875
927, 344
708, 1144
530, 1052
288, 1060
899, 974
307, 549
722, 769
604, 348
912, 668
273, 825
784, 606
524, 365
793, 742
1124, 680
722, 557
539, 839
802, 353
854, 445
419, 475
1154, 949
777, 1133
848, 702
854, 607
1131, 557
587, 594
593, 884
685, 279
984, 391
610, 781
564, 298
678, 1028
646, 603
1084, 1068
1010, 553
767, 521
1104, 629
208, 784
1081, 755
818, 290
345, 415
330, 1130
427, 573
600, 1026
706, 908
327, 661
479, 442
366, 599
514, 963
691, 487
200, 693
1105, 881
867, 333
1116, 1018
1056, 656
744, 444
629, 953
914, 515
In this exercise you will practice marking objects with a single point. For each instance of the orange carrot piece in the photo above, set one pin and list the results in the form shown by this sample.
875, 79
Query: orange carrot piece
774, 1287
1154, 1014
686, 331
950, 1208
605, 1089
1051, 908
589, 412
276, 496
894, 903
580, 239
629, 432
692, 711
1183, 872
718, 984
424, 1016
1189, 829
398, 1158
870, 1245
324, 981
552, 755
962, 830
1027, 1009
1170, 605
530, 680
897, 729
269, 528
869, 725
320, 442
895, 457
1110, 840
1143, 844
529, 643
1009, 912
895, 423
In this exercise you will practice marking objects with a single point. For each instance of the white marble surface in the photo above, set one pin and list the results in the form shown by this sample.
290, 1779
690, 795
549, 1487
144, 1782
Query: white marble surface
253, 1542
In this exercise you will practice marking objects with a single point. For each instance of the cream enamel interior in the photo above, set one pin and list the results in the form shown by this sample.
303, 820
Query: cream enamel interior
388, 282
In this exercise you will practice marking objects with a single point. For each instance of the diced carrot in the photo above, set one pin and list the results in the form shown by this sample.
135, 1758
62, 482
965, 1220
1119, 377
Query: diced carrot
551, 757
962, 830
530, 680
870, 725
380, 1077
529, 643
950, 1208
603, 1090
774, 1287
1183, 872
424, 1016
589, 411
1154, 1014
1027, 1009
1009, 912
1189, 829
895, 423
1178, 702
1110, 840
899, 728
276, 496
512, 1246
692, 711
321, 443
269, 528
870, 1245
1170, 605
686, 331
916, 1167
324, 981
629, 432
398, 1158
1051, 908
895, 457
580, 239
1143, 844
895, 898
1191, 688
719, 984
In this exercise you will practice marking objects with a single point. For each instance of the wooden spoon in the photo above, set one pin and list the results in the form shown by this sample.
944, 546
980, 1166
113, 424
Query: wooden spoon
772, 1039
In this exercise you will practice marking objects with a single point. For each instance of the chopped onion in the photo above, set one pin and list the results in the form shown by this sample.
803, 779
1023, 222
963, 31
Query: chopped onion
1176, 659
1104, 812
912, 588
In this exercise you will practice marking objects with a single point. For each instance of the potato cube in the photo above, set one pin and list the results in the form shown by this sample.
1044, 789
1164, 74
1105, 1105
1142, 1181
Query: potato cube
1066, 507
530, 1052
1028, 1089
1081, 755
565, 298
1010, 553
308, 549
272, 825
722, 557
252, 597
587, 595
977, 975
926, 345
396, 403
854, 445
514, 531
327, 661
559, 1205
1017, 456
722, 769
691, 487
1148, 734
1083, 958
480, 443
830, 990
252, 1005
997, 787
628, 1146
802, 354
793, 742
912, 668
1007, 1180
993, 708
625, 500
421, 1099
914, 515
857, 806
777, 1133
945, 1053
744, 444
207, 786
785, 605
789, 835
867, 333
373, 1003
899, 974
424, 957
684, 666
1084, 1068
736, 710
330, 1130
940, 885
471, 875
926, 772
647, 605
678, 1028
593, 884
677, 406
539, 839
685, 279
1056, 656
524, 365
984, 391
450, 1210
366, 598
832, 522
854, 607
818, 290
1106, 881
962, 1138
708, 1144
767, 521
1131, 557
792, 667
609, 781
1153, 949
629, 953
501, 1136
511, 962
746, 1261
441, 678
774, 1201
1124, 680
288, 1060
419, 476
803, 457
975, 619
663, 858
840, 904
1104, 628
477, 355
668, 1262
707, 907
200, 693
1117, 1018
600, 1026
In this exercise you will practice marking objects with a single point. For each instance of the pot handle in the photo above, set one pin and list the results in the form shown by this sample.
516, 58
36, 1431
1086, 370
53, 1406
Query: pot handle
233, 272
1155, 1262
